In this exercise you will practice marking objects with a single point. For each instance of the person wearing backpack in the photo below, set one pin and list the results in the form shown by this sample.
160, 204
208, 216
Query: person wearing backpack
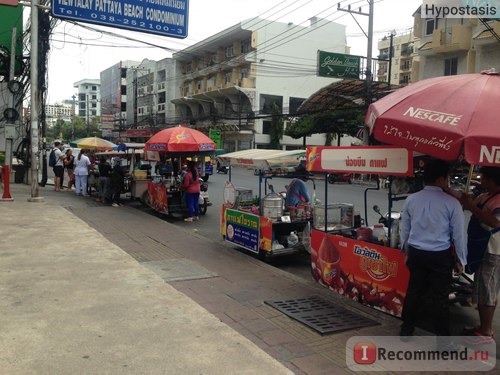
56, 162
485, 211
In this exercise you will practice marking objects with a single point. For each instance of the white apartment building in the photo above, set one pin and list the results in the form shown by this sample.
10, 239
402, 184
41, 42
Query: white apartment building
231, 80
88, 98
59, 111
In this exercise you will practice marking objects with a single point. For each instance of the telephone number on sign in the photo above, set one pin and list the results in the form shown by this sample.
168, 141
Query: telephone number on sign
122, 21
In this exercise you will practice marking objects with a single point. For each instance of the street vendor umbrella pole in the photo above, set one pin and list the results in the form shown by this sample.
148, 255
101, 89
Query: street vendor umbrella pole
443, 117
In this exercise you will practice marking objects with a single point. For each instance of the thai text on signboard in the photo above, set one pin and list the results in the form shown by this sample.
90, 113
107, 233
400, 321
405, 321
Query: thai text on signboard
338, 65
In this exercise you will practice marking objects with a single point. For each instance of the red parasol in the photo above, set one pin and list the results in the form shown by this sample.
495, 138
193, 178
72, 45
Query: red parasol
180, 139
443, 117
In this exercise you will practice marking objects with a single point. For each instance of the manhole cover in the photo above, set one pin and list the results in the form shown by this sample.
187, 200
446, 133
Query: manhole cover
321, 315
179, 269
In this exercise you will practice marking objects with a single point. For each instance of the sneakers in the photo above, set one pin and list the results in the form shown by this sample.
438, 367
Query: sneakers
190, 219
115, 205
196, 218
477, 338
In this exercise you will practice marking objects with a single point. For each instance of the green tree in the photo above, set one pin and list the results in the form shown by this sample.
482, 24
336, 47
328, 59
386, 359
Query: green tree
333, 123
276, 128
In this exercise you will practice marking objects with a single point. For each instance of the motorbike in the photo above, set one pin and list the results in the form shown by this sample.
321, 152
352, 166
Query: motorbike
384, 219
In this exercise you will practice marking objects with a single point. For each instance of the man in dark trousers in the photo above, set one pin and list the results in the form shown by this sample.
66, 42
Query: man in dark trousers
431, 222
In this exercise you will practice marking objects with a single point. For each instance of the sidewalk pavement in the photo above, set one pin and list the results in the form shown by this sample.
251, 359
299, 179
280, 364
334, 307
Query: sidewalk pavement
93, 289
74, 303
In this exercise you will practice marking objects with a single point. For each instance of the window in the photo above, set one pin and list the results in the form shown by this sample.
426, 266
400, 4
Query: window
266, 126
451, 66
123, 89
94, 97
244, 73
430, 25
246, 46
228, 51
267, 102
227, 77
94, 88
294, 104
123, 72
189, 67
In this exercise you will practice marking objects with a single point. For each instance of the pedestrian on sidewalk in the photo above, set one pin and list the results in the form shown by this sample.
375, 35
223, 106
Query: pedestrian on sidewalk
82, 165
191, 186
58, 167
104, 167
69, 164
485, 211
431, 222
117, 181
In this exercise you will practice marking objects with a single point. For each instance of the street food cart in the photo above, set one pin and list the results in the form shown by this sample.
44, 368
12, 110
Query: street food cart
137, 171
176, 145
259, 222
356, 261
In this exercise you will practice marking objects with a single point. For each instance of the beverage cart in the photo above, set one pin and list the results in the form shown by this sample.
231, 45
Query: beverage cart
176, 145
361, 263
259, 222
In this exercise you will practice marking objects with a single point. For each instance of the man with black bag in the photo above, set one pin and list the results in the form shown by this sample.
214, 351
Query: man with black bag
484, 252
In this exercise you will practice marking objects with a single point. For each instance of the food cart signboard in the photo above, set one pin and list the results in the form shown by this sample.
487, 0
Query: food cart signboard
362, 271
381, 160
242, 229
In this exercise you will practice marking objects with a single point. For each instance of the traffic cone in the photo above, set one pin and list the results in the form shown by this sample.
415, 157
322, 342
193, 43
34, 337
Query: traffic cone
6, 197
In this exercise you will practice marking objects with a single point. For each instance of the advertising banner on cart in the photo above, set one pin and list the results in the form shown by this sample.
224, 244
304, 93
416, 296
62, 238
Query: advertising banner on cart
362, 271
242, 229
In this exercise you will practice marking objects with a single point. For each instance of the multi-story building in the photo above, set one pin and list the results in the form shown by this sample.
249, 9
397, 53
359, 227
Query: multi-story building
114, 98
234, 80
147, 94
450, 46
88, 98
59, 111
400, 63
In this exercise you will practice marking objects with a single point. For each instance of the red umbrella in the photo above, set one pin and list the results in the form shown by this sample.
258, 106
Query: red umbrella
180, 139
443, 117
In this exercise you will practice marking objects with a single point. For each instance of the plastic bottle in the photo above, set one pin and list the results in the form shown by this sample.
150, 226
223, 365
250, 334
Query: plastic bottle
395, 233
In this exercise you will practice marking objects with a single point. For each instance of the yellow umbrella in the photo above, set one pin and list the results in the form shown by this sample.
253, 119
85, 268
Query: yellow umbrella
94, 143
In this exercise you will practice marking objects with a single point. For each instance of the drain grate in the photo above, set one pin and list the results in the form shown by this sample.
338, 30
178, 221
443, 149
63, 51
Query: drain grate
321, 315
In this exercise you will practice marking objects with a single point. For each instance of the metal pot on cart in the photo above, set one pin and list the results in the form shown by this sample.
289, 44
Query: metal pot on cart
260, 222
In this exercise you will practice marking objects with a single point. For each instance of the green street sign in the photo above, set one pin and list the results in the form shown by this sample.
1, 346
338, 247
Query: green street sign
216, 136
338, 65
10, 17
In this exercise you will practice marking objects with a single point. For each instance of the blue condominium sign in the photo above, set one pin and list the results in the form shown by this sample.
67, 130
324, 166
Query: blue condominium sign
162, 17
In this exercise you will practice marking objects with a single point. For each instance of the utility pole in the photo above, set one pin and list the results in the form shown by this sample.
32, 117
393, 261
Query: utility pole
34, 139
368, 71
391, 46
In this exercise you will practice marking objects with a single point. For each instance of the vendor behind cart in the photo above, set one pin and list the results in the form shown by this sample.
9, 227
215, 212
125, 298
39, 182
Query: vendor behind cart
297, 193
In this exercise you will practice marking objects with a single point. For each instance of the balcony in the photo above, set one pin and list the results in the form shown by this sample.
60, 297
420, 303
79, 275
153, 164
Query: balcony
407, 51
456, 38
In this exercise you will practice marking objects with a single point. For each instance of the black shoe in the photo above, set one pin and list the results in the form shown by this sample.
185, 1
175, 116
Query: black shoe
405, 334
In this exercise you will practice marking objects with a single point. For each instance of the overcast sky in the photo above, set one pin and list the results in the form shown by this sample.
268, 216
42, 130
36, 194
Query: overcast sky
78, 53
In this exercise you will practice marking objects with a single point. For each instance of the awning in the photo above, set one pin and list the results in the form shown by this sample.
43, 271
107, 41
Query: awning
263, 159
346, 93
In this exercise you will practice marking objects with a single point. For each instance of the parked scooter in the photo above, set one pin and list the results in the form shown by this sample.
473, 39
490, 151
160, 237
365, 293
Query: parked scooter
384, 219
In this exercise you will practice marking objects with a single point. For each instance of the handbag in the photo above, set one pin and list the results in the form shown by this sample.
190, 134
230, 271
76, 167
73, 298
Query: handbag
477, 240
